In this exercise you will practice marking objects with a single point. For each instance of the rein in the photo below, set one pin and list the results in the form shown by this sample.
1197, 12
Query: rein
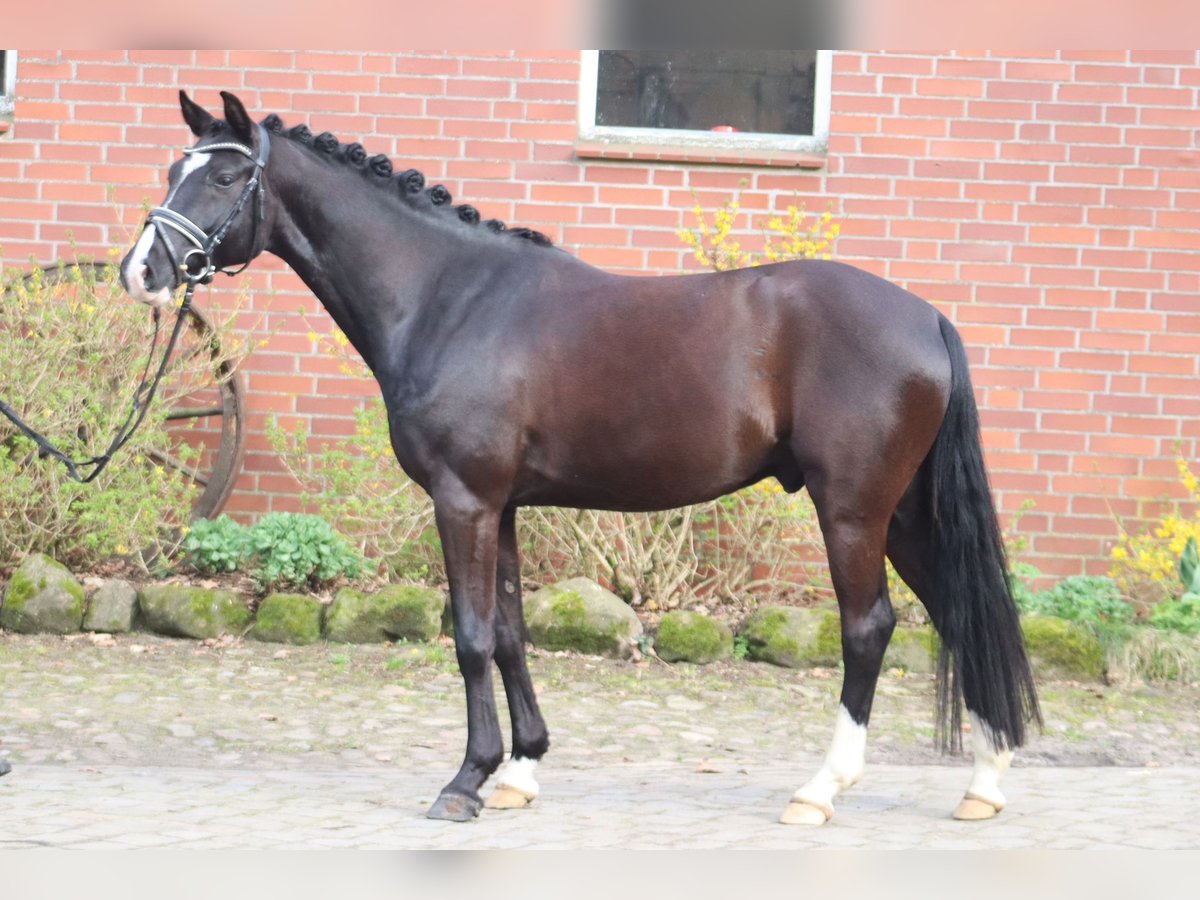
199, 272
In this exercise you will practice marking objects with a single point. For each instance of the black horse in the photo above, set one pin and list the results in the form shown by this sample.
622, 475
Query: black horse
515, 374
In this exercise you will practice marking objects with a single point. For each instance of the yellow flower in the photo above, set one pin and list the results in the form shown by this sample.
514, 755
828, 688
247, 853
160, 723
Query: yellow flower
314, 337
1119, 553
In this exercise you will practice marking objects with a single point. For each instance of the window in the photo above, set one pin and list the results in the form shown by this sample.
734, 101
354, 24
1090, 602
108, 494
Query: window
751, 100
8, 83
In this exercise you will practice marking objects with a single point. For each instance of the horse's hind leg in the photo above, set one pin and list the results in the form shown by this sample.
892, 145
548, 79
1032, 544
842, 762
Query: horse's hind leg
854, 539
910, 548
515, 783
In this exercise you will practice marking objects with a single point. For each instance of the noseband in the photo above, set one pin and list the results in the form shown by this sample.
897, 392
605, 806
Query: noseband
197, 266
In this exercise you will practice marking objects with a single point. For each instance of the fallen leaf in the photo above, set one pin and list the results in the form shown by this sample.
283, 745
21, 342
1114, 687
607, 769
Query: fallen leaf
707, 768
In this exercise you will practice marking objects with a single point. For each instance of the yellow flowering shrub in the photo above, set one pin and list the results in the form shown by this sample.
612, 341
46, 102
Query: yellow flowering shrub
794, 235
1145, 565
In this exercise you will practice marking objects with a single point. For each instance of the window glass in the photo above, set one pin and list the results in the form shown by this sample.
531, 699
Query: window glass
758, 91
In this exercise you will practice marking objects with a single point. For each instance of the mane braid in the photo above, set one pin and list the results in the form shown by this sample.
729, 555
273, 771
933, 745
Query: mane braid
409, 184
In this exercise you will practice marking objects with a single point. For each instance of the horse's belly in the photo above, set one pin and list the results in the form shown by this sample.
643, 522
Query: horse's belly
646, 464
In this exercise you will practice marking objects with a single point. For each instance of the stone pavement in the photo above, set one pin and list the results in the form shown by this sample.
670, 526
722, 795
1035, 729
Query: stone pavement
629, 806
148, 742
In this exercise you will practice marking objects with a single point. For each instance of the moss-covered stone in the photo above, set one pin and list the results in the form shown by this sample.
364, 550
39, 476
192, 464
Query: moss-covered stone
398, 612
42, 596
288, 619
911, 649
1062, 649
685, 636
180, 610
793, 637
580, 615
112, 608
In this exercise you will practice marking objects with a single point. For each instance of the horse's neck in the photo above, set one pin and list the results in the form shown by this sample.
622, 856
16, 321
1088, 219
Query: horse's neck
366, 261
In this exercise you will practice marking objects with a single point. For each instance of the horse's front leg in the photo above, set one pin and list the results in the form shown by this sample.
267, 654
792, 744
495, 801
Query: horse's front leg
516, 786
469, 528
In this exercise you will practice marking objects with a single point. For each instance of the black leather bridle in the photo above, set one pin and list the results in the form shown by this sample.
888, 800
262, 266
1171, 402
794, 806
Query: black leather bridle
196, 267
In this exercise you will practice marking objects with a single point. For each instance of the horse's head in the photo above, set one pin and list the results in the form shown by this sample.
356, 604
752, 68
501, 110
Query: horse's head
213, 215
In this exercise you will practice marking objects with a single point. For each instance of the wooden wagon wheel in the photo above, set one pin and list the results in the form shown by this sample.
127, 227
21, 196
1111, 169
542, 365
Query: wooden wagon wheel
209, 405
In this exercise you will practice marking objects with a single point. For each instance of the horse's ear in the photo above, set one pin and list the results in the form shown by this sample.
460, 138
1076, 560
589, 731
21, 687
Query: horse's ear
197, 117
238, 119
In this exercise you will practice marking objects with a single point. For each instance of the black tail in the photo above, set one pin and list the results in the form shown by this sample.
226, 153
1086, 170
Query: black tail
982, 656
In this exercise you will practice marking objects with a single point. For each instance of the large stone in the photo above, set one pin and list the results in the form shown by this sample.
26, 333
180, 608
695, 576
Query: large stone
112, 608
397, 612
1059, 648
42, 596
180, 610
580, 615
685, 636
289, 619
911, 647
793, 637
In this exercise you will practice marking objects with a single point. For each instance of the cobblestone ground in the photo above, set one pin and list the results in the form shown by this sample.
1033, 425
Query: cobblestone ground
144, 742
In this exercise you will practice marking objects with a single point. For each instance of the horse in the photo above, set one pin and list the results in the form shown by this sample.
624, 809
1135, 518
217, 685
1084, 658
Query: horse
515, 374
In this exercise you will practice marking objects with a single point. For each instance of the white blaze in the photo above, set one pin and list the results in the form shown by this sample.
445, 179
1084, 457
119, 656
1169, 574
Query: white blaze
135, 265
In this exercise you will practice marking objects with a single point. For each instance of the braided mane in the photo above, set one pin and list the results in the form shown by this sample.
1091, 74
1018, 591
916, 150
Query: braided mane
409, 184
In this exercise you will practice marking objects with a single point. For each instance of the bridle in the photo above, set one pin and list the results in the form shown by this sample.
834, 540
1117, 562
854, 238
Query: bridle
196, 268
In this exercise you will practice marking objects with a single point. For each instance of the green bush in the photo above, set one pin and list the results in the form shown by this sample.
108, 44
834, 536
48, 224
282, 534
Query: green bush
216, 546
357, 483
71, 355
1094, 601
293, 550
282, 550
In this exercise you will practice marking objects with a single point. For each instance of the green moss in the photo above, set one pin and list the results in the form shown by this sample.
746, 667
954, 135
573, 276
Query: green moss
42, 596
692, 637
568, 627
412, 613
827, 649
582, 616
781, 635
289, 619
1058, 648
16, 595
184, 611
911, 649
397, 612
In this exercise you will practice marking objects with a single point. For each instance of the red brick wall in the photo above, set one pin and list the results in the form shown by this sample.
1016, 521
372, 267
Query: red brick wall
1049, 203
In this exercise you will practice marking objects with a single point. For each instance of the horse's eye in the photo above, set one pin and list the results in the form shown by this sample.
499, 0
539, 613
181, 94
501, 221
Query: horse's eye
225, 179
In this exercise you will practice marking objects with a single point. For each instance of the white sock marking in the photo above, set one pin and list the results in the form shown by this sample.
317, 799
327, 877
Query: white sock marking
517, 774
990, 762
843, 764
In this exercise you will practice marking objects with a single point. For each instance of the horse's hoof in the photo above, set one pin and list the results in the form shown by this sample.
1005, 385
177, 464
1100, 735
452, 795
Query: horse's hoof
505, 797
5, 768
452, 807
974, 809
798, 812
